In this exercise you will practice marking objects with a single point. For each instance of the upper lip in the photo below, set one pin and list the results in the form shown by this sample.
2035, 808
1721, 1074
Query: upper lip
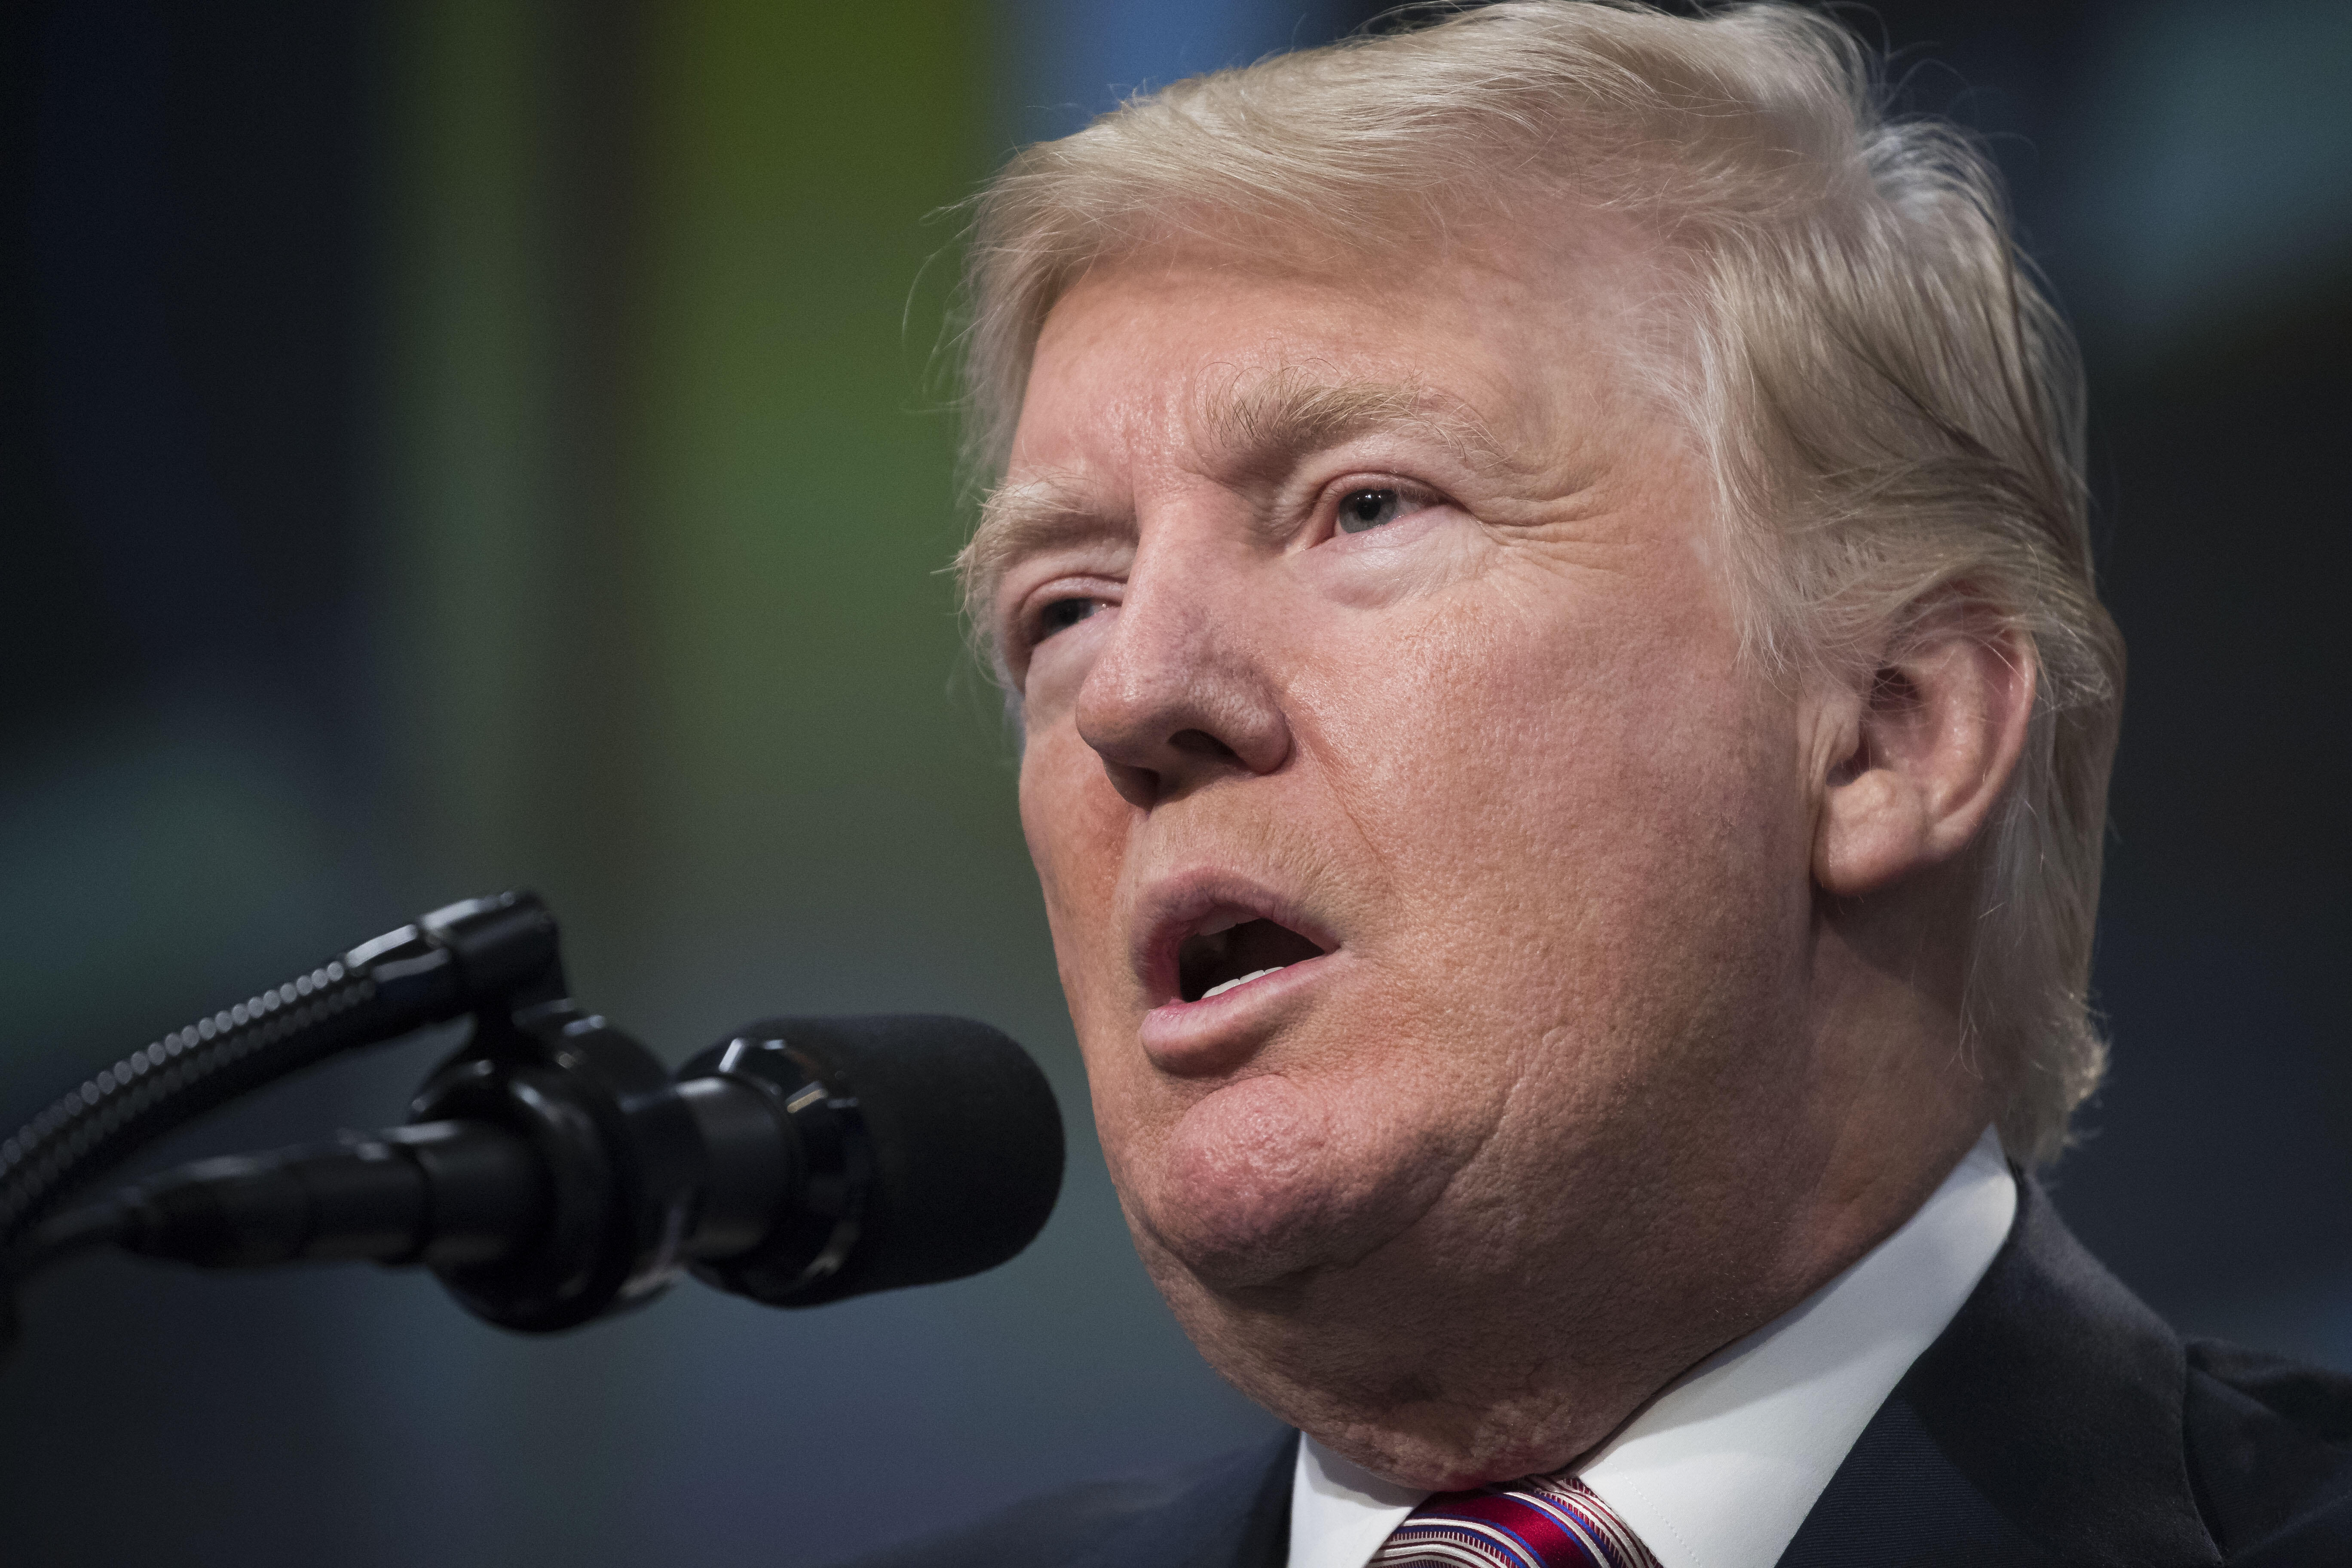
1176, 907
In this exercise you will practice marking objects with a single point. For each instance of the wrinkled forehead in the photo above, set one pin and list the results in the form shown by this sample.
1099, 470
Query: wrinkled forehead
1231, 423
1253, 406
1406, 251
1215, 365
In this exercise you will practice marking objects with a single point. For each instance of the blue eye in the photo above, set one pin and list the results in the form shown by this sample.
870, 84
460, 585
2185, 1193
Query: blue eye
1062, 614
1363, 510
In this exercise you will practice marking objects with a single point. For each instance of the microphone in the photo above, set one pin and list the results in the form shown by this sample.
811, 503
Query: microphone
551, 1173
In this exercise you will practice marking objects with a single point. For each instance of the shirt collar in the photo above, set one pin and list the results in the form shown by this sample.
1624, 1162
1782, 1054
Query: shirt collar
1721, 1469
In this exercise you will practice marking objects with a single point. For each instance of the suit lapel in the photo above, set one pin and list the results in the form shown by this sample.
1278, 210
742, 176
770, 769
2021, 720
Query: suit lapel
2044, 1426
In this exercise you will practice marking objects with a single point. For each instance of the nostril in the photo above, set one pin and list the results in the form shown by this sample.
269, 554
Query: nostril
1137, 786
1201, 743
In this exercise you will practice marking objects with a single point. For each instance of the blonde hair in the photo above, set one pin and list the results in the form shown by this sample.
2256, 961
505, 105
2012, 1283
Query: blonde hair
1891, 408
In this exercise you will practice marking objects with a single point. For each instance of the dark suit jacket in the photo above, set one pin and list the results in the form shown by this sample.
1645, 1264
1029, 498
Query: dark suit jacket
2057, 1421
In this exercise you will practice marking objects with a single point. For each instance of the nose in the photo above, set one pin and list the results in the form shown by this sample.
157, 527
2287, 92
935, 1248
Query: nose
1186, 691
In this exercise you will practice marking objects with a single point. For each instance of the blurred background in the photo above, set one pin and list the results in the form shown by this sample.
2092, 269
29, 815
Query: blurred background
454, 444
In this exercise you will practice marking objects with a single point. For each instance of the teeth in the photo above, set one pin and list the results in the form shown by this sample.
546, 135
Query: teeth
1224, 986
1219, 924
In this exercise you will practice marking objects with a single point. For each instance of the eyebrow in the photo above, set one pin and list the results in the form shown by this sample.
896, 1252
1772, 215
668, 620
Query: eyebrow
1256, 431
1046, 512
1274, 420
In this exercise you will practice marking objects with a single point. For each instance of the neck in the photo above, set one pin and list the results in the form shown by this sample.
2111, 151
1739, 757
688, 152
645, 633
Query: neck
1506, 1334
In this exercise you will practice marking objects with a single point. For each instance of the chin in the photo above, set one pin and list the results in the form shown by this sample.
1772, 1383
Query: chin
1237, 1224
1251, 1189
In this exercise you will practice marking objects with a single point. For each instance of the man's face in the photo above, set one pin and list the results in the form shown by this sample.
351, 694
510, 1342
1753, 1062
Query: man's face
1375, 652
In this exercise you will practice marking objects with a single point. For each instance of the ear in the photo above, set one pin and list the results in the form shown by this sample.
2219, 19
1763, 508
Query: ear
1917, 758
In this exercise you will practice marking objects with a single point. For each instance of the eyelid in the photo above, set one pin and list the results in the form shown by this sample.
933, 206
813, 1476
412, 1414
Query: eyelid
1325, 513
1023, 621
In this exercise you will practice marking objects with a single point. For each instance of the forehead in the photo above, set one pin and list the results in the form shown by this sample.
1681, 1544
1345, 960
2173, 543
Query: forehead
1184, 361
1191, 356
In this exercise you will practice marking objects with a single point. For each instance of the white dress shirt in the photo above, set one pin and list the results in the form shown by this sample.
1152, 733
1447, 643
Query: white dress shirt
1721, 1469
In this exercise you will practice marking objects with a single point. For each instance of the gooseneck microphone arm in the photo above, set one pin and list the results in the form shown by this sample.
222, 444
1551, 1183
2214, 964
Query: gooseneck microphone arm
552, 1171
449, 963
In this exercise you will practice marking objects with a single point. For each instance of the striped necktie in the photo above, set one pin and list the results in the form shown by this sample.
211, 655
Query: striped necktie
1542, 1523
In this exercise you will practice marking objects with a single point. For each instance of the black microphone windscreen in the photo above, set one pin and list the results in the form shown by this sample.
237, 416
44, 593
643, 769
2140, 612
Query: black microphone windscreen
966, 1139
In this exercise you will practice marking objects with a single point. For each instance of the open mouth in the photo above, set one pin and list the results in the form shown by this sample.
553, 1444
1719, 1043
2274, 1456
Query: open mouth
1231, 949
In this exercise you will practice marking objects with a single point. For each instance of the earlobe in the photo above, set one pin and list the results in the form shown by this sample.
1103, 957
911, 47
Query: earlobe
1928, 745
1874, 831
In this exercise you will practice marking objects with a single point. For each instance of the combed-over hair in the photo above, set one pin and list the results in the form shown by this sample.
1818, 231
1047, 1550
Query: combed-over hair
1891, 408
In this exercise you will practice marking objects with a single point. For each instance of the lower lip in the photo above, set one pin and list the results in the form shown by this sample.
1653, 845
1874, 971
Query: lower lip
1204, 1036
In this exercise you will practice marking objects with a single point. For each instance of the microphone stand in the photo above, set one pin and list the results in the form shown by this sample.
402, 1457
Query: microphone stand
552, 1171
488, 956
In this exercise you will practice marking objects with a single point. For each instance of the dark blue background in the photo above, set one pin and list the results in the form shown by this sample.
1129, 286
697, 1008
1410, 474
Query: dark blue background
197, 739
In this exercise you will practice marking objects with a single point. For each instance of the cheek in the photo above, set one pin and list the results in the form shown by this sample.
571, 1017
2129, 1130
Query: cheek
1453, 744
1552, 780
1077, 828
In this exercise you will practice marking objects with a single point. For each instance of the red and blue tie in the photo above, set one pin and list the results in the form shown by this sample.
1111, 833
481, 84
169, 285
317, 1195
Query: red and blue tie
1538, 1523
